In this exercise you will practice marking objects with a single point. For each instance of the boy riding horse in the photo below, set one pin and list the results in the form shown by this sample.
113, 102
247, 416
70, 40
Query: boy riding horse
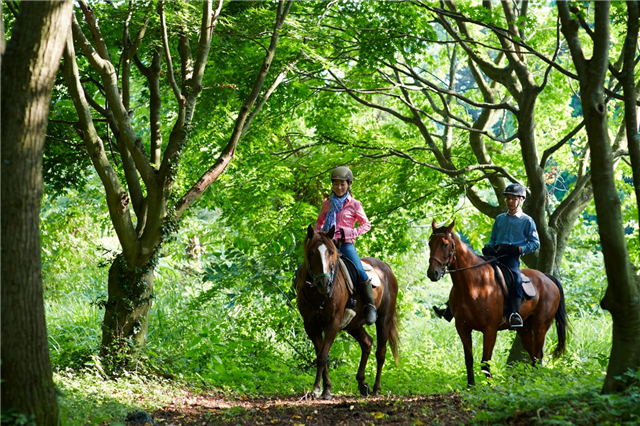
513, 234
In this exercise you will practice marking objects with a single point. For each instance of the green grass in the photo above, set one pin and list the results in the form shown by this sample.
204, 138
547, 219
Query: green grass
87, 398
254, 360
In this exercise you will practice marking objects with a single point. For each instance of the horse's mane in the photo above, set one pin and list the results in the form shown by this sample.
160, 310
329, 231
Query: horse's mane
444, 230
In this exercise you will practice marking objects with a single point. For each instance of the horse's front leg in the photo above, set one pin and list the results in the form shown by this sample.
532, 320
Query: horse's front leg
315, 335
365, 342
467, 345
488, 343
321, 363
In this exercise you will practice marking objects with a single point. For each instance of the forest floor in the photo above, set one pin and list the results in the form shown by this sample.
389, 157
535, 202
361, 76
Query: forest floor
210, 409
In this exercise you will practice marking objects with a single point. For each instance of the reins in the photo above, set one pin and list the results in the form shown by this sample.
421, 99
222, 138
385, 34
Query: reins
447, 266
479, 264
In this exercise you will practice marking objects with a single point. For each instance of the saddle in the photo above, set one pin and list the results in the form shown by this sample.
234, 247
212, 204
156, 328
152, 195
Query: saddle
528, 290
506, 280
351, 275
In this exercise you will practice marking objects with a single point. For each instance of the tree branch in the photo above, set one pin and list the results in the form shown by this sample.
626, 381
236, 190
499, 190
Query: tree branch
227, 154
117, 197
107, 73
549, 151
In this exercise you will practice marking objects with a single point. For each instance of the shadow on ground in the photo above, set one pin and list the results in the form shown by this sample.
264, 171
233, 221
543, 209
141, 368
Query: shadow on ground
204, 410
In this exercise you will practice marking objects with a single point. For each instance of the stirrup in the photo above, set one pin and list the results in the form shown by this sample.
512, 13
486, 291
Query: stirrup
515, 320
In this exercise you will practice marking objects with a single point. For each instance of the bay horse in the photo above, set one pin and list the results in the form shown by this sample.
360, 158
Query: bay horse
476, 300
322, 299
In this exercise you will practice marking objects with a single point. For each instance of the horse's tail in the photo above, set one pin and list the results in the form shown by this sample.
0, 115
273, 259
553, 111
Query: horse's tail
394, 338
561, 319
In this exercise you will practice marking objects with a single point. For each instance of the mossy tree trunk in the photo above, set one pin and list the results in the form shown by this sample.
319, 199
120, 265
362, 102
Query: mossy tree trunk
127, 309
28, 69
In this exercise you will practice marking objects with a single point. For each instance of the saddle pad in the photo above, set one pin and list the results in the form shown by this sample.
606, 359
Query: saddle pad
375, 278
347, 275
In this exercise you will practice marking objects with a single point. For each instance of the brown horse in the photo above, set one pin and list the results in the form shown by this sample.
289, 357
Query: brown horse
476, 300
322, 300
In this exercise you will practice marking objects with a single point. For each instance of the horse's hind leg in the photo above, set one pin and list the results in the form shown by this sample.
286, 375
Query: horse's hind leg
527, 336
382, 332
365, 341
539, 336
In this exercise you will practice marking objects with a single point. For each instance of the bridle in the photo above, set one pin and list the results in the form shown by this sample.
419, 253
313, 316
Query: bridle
316, 277
452, 255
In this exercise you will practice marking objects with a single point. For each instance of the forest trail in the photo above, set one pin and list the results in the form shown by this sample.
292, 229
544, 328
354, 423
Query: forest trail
210, 409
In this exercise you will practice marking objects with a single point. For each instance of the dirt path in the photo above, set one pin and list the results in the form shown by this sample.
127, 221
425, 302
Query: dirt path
204, 410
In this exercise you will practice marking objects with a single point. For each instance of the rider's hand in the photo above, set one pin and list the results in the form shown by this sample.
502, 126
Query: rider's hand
488, 251
512, 250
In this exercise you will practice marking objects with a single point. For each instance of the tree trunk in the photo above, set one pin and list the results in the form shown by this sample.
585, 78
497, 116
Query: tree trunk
622, 297
28, 69
127, 310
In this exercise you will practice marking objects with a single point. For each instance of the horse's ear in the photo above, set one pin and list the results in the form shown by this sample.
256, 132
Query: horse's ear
331, 232
434, 225
310, 232
450, 227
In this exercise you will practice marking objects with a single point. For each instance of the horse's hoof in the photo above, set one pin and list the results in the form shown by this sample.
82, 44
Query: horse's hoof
315, 393
364, 389
326, 396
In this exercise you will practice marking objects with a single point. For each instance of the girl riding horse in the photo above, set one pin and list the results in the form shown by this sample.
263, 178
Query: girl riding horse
341, 211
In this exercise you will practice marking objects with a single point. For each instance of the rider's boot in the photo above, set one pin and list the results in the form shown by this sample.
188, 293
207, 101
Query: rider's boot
369, 312
515, 320
443, 313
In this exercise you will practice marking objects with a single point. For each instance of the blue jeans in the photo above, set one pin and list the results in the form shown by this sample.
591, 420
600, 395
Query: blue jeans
348, 250
513, 263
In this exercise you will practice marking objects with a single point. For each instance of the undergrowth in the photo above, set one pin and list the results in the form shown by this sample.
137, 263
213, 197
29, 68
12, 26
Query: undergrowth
225, 321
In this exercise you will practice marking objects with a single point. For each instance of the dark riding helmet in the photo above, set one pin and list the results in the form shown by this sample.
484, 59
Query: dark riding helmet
515, 189
342, 173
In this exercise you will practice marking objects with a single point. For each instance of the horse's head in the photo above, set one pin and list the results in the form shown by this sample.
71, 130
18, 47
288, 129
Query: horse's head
442, 250
321, 258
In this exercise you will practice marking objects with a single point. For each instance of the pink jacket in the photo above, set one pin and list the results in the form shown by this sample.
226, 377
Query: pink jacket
346, 218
